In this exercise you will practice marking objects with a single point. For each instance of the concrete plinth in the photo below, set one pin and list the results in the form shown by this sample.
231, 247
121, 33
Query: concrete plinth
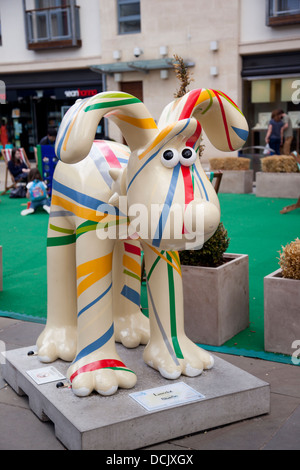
285, 185
120, 423
236, 181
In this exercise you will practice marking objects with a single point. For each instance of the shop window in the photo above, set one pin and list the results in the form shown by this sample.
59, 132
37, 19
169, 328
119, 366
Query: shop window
129, 16
283, 12
53, 23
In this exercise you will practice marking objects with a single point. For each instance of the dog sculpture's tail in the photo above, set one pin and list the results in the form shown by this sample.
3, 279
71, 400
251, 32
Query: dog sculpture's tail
221, 119
78, 128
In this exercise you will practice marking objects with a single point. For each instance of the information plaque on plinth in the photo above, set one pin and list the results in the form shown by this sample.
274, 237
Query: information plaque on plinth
155, 410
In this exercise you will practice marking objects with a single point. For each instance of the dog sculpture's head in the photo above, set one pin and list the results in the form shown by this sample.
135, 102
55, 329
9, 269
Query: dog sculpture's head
171, 203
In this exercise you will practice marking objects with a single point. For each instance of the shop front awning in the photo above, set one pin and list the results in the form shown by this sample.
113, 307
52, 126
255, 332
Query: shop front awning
137, 66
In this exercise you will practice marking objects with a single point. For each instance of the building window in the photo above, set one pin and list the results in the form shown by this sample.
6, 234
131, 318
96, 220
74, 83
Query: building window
53, 23
283, 12
129, 16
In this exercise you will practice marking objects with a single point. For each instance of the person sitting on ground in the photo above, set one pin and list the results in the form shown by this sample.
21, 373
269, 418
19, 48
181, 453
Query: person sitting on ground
50, 138
37, 193
17, 168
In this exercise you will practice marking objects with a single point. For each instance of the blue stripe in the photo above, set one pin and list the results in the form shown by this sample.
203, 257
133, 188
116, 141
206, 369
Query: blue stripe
142, 167
83, 199
101, 164
96, 344
200, 179
94, 301
70, 117
242, 133
167, 206
131, 295
154, 155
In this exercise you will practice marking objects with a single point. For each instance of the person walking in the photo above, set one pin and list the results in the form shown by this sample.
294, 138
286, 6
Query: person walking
274, 134
287, 130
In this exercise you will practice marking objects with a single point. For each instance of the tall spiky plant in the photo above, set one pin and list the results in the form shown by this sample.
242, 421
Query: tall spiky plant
183, 75
185, 78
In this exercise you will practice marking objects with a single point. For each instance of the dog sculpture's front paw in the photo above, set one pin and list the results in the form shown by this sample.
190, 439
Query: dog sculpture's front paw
96, 372
132, 330
57, 343
186, 358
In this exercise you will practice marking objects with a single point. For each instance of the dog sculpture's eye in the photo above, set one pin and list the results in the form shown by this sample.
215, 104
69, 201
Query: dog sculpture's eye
170, 158
188, 156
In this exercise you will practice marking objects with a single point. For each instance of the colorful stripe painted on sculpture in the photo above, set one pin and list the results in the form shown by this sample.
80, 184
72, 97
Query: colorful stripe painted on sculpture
92, 271
113, 364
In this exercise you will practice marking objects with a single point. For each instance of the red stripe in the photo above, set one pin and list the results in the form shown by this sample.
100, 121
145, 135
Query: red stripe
224, 119
105, 363
110, 157
135, 250
188, 187
193, 139
190, 104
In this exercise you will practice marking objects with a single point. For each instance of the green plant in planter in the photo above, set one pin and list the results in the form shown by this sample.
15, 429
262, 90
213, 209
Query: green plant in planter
211, 254
289, 260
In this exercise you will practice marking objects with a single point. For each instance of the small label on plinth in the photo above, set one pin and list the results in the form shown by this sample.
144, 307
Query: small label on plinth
166, 396
45, 375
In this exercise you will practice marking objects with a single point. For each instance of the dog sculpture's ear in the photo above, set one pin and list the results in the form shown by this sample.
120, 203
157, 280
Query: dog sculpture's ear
78, 128
221, 119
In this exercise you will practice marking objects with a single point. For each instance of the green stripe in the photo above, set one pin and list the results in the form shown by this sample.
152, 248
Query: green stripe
120, 368
173, 325
153, 265
230, 102
60, 241
113, 104
210, 102
86, 227
62, 230
176, 256
193, 177
129, 273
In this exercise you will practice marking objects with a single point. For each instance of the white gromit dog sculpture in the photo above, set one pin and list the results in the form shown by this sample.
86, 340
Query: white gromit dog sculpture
108, 202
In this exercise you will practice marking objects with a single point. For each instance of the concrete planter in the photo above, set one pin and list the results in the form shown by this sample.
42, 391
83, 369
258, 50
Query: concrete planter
282, 313
285, 185
236, 181
216, 300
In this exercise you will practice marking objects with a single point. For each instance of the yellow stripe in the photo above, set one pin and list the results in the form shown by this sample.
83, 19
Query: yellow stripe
165, 259
204, 95
131, 265
157, 140
94, 270
147, 123
176, 260
82, 212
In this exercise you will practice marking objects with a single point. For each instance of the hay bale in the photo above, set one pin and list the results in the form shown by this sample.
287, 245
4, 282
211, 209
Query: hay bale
279, 164
229, 163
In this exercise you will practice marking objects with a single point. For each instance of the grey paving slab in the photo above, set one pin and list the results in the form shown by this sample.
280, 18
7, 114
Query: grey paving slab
118, 422
288, 436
